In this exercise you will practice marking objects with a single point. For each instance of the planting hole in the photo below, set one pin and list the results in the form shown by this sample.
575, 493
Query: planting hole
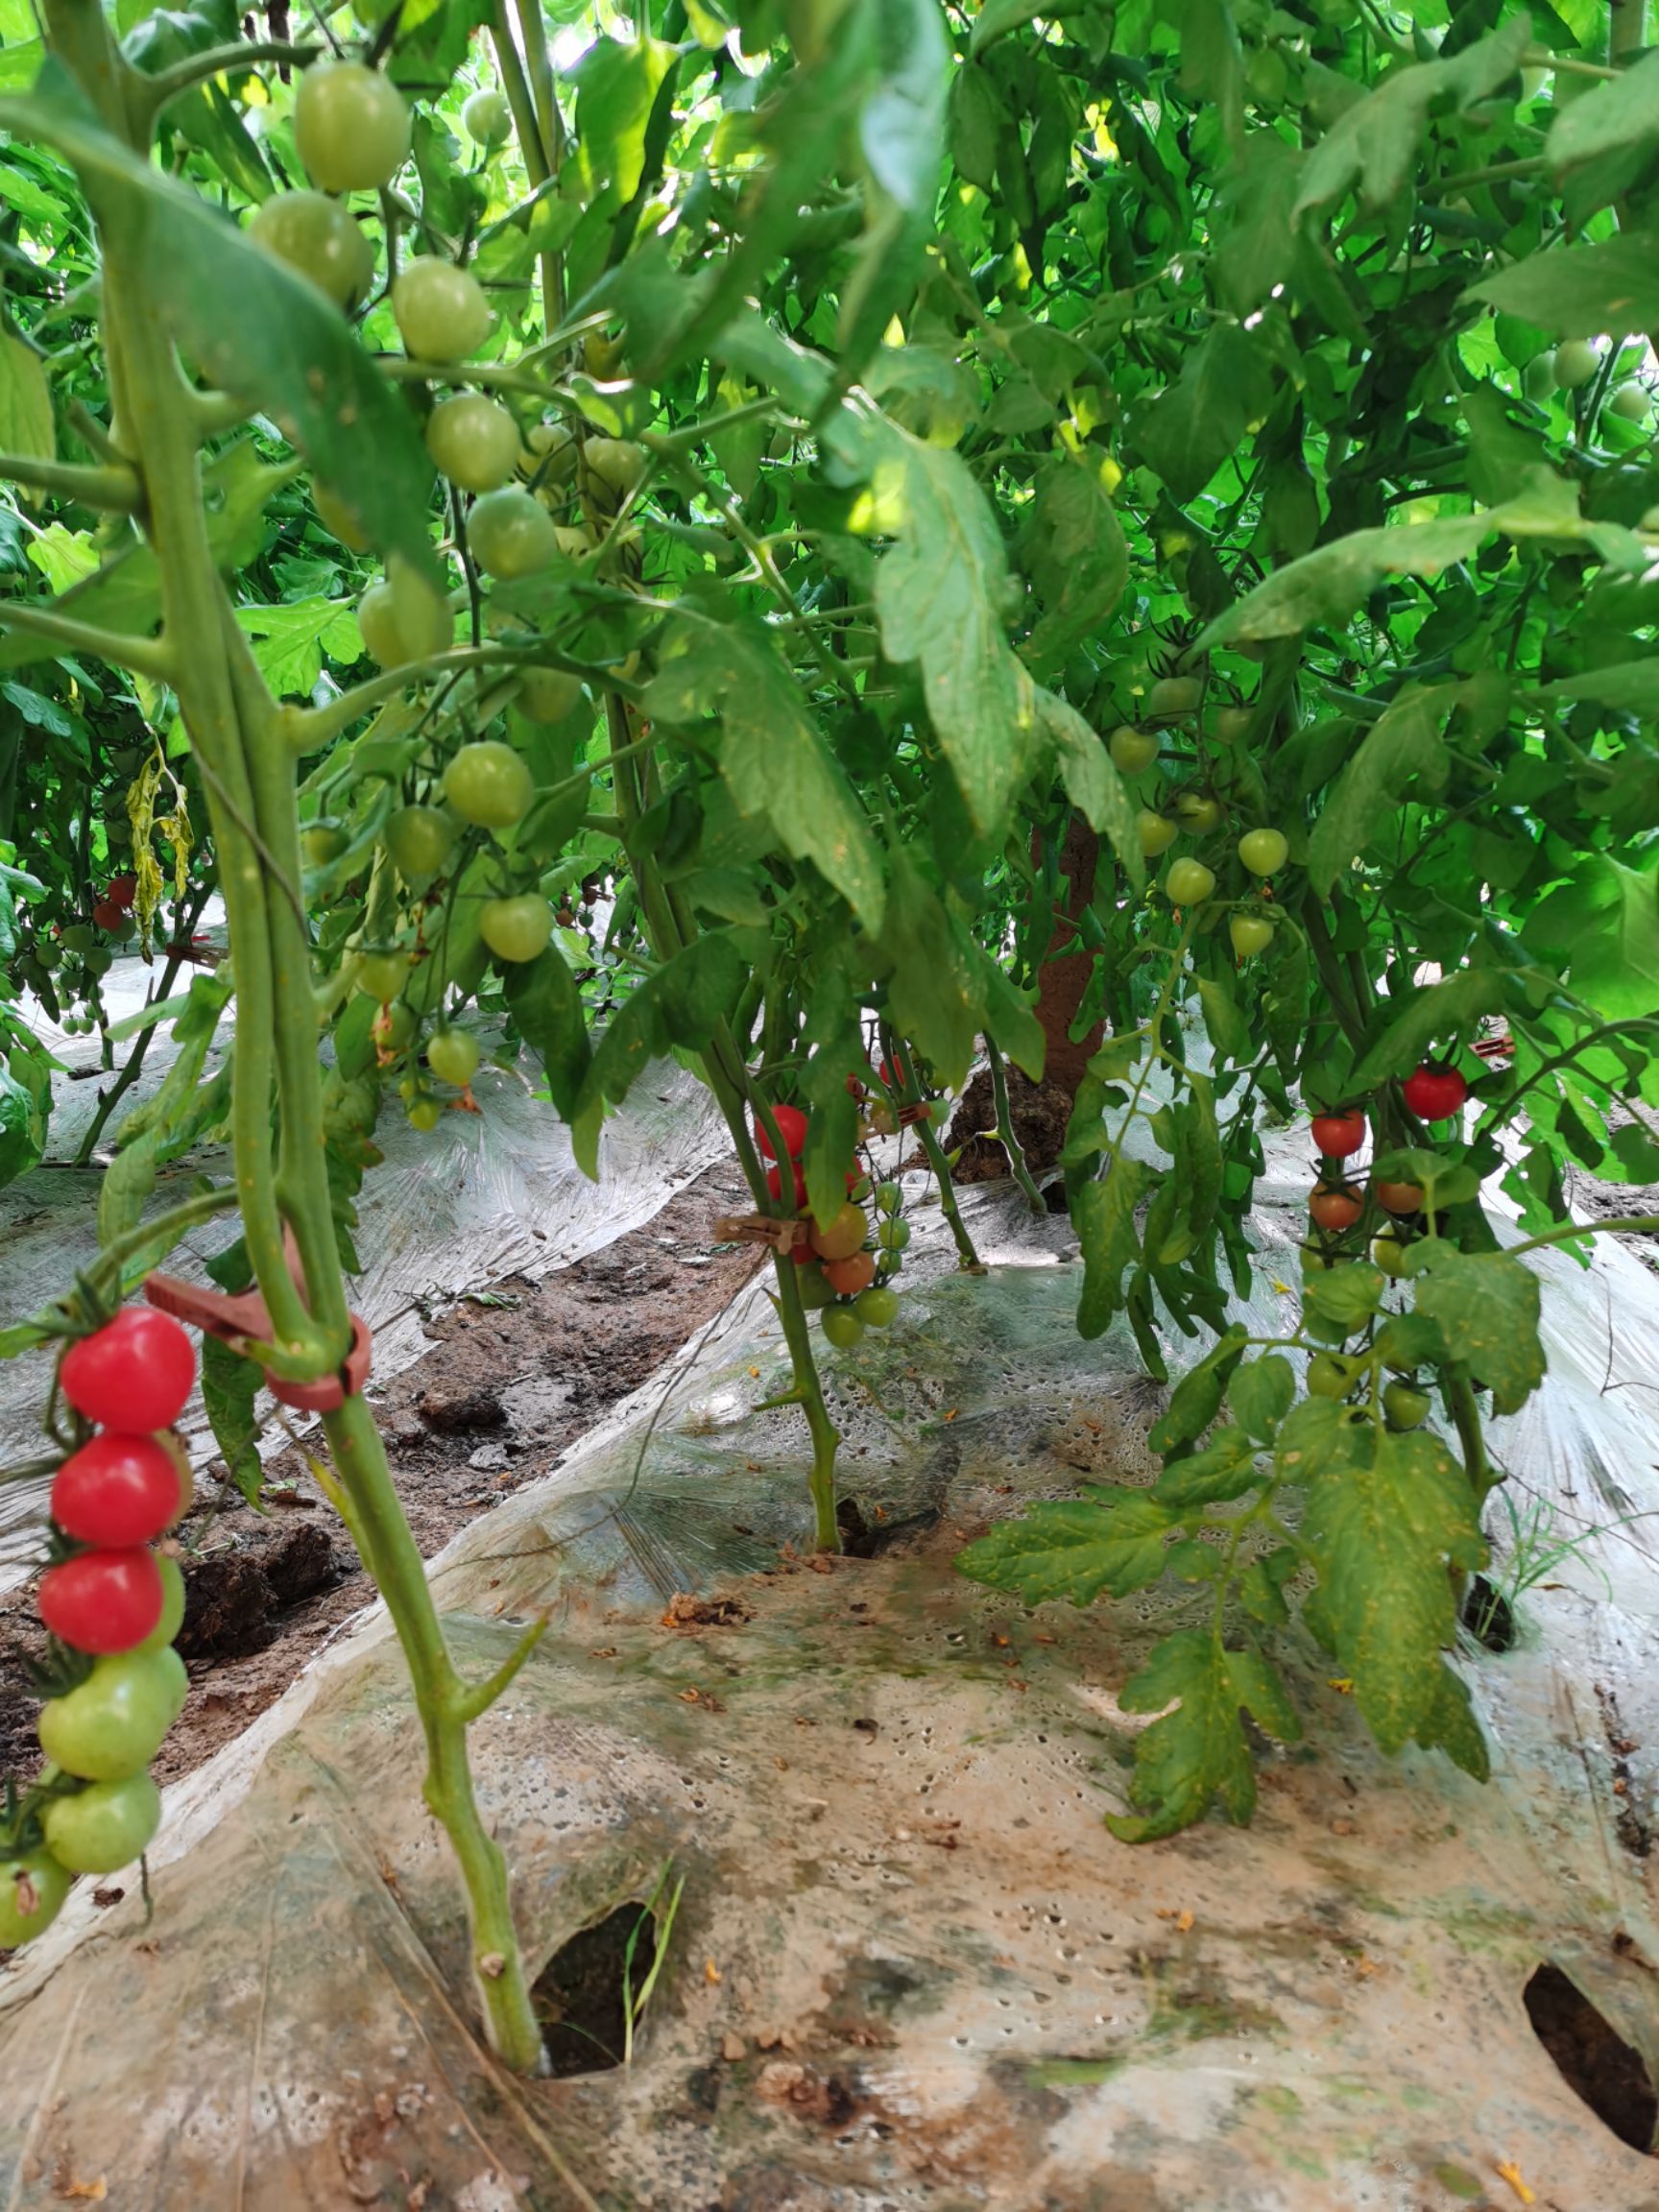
1593, 2058
583, 1994
1488, 1614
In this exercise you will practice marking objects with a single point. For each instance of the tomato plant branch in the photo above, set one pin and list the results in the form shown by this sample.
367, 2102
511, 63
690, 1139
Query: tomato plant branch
151, 94
1621, 1225
112, 488
153, 658
1010, 1144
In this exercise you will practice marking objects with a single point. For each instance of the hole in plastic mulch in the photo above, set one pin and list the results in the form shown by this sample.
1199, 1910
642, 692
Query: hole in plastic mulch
1593, 2058
1488, 1614
583, 1993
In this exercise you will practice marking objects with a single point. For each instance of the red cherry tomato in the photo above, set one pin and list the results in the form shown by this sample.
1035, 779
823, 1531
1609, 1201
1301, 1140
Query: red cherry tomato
107, 915
1435, 1093
122, 891
1398, 1197
775, 1183
1336, 1135
791, 1127
856, 1085
896, 1073
103, 1602
132, 1376
1336, 1206
117, 1491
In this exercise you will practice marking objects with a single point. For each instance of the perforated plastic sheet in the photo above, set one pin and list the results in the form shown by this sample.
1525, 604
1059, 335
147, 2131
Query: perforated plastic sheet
910, 1969
483, 1196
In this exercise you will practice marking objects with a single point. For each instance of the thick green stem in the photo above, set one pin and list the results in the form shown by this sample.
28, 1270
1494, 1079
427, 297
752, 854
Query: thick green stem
442, 1700
1005, 1131
928, 1139
826, 1436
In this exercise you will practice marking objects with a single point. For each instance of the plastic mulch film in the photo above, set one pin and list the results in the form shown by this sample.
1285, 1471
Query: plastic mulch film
908, 1966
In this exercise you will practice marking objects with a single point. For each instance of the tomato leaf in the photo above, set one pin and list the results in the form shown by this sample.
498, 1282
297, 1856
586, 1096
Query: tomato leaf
26, 425
544, 999
1111, 1540
1403, 745
1103, 1215
1199, 1752
1073, 548
1582, 291
1385, 1531
1223, 1470
1092, 782
1445, 1009
1196, 1398
1486, 1306
1262, 1393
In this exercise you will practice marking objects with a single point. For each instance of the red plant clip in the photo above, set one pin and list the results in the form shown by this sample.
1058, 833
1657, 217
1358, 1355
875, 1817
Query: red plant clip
244, 1322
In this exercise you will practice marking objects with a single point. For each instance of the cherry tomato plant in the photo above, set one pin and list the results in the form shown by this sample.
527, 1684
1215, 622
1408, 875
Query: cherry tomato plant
823, 540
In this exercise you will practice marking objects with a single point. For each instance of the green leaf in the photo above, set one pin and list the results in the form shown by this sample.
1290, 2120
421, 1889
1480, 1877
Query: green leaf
1609, 118
977, 116
998, 17
1447, 1008
1225, 1469
1074, 551
941, 595
1486, 1306
544, 999
290, 637
1385, 1536
1196, 1398
1582, 291
1606, 925
1103, 1215
1404, 744
902, 128
1111, 1540
1327, 584
1262, 1393
1224, 1020
287, 351
1225, 384
26, 425
1630, 686
832, 1119
229, 1388
615, 86
773, 760
1189, 1758
1370, 149
1092, 781
1347, 1295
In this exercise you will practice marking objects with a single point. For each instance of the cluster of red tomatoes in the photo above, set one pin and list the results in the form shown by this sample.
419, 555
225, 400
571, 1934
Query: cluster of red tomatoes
1432, 1094
114, 1600
843, 1271
110, 913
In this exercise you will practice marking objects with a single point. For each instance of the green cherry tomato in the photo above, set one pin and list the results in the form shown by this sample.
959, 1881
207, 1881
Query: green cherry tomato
382, 974
316, 237
32, 1888
424, 1112
1263, 851
893, 1235
167, 1629
1251, 933
112, 1725
1155, 832
1132, 750
420, 840
1576, 364
396, 1027
453, 1056
1188, 883
516, 930
841, 1325
1632, 403
1404, 1406
1390, 1254
878, 1307
1197, 812
1233, 724
352, 127
816, 1292
889, 1197
1538, 378
104, 1827
509, 534
1175, 695
1328, 1377
473, 441
487, 118
403, 620
441, 311
615, 461
321, 843
548, 694
489, 784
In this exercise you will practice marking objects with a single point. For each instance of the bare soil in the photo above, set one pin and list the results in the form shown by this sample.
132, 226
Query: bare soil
515, 1377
